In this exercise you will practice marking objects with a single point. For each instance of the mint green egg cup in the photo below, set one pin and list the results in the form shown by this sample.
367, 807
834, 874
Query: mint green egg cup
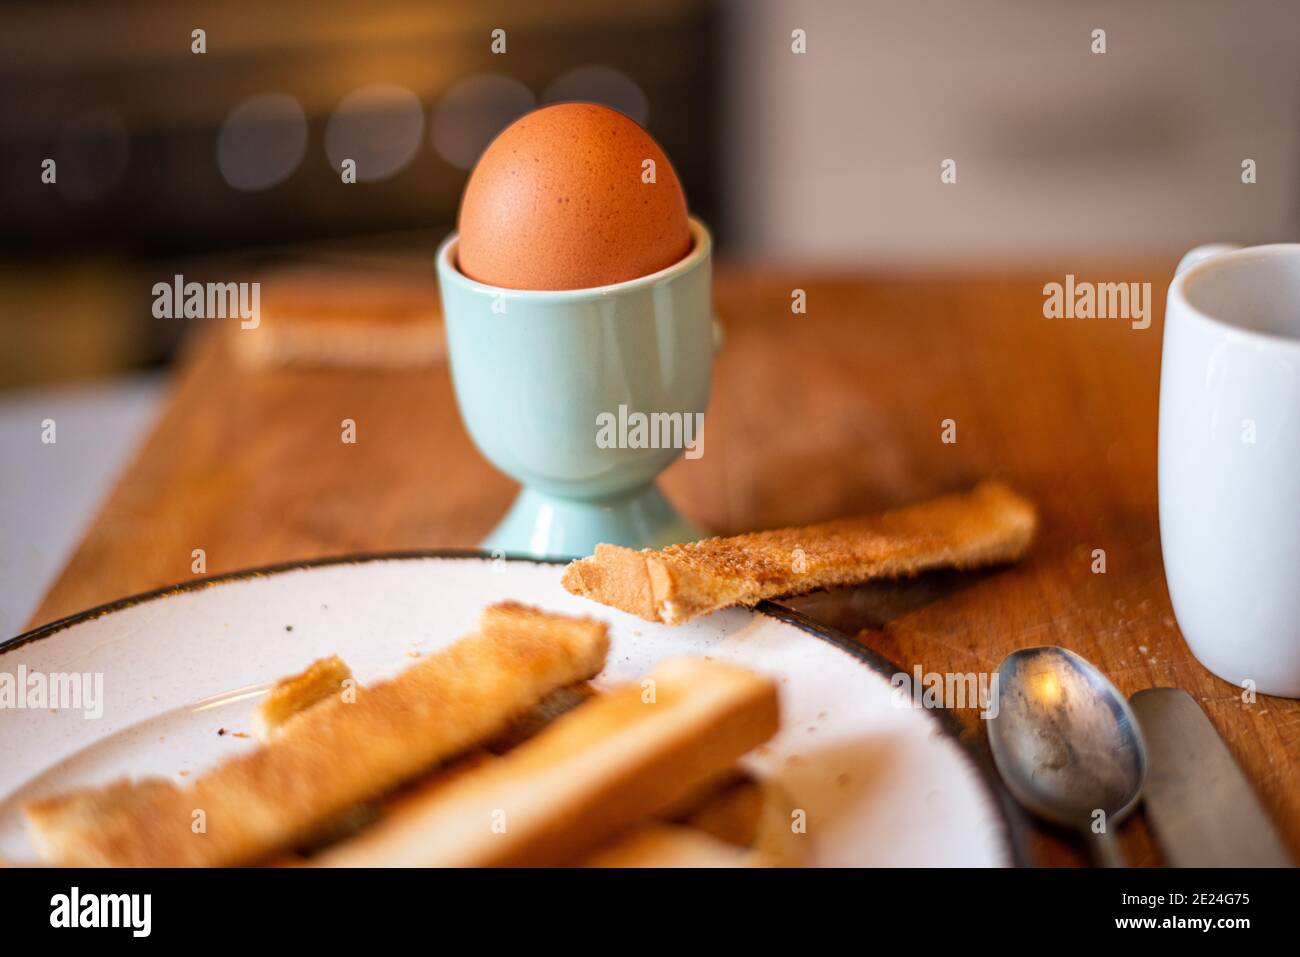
534, 372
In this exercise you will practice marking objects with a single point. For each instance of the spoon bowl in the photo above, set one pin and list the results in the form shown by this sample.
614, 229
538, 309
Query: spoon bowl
1067, 744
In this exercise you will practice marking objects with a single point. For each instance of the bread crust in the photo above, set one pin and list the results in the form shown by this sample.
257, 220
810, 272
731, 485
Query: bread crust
608, 765
335, 755
290, 697
989, 524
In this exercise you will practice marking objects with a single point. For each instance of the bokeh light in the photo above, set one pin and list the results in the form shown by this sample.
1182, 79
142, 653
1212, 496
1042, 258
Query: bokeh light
262, 141
379, 126
473, 112
604, 85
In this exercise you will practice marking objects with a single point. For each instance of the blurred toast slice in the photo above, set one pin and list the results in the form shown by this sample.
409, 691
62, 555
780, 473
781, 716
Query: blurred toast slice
987, 525
338, 315
745, 822
669, 845
335, 755
758, 815
58, 824
606, 766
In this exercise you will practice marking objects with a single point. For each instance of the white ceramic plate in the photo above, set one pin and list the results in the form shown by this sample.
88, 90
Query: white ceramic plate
881, 784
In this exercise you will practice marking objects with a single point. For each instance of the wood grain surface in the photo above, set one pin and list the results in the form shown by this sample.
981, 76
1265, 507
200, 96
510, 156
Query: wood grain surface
813, 416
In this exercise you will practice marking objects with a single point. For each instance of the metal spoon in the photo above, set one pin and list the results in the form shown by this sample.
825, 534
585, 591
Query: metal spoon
1067, 745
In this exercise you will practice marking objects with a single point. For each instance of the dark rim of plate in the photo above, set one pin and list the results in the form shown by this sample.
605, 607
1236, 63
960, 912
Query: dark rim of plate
1014, 820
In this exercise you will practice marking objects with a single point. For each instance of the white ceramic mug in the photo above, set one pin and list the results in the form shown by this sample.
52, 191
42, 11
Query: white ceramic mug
1229, 467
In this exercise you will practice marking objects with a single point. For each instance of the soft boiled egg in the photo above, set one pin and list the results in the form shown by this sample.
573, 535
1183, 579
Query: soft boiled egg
569, 197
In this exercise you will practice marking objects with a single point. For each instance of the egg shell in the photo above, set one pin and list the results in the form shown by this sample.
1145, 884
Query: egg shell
560, 200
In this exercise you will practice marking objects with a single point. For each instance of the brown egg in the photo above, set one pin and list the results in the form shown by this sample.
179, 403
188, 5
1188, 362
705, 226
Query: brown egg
560, 201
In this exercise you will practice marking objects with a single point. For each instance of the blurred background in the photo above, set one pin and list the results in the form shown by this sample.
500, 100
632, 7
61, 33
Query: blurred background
831, 157
214, 163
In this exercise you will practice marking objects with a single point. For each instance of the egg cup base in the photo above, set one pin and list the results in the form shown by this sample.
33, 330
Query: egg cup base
539, 525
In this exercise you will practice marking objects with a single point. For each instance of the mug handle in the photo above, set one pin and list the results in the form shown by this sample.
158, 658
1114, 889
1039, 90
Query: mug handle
1202, 253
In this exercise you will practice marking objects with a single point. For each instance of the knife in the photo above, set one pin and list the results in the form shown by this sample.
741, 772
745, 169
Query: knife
1199, 804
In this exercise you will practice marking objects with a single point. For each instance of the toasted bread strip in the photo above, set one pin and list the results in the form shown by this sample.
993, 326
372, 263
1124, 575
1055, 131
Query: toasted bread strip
989, 524
754, 813
346, 316
540, 715
290, 697
668, 845
341, 753
57, 824
745, 823
361, 816
605, 766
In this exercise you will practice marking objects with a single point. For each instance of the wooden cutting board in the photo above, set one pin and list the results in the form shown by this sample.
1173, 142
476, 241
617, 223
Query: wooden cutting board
835, 411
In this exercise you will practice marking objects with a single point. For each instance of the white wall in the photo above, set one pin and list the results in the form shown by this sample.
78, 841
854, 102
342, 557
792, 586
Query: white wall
834, 155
